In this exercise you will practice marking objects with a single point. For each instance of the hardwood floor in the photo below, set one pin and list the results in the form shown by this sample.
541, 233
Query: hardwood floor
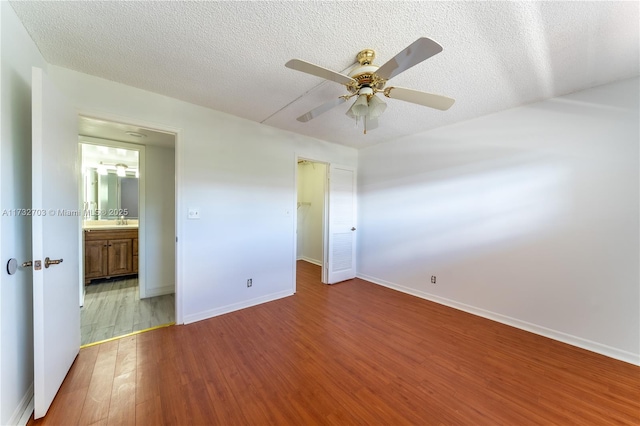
113, 308
351, 353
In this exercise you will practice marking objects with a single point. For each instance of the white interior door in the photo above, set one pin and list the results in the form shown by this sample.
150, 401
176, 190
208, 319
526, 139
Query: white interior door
342, 224
55, 228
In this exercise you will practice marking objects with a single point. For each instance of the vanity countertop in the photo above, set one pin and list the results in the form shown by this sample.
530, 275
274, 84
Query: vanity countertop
108, 227
88, 225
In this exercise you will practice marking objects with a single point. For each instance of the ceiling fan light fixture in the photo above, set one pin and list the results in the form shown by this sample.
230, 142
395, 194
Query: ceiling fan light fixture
376, 107
136, 134
350, 113
121, 170
360, 107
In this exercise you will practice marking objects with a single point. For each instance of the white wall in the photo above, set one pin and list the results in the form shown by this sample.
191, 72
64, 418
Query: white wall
18, 54
240, 174
311, 189
528, 216
160, 219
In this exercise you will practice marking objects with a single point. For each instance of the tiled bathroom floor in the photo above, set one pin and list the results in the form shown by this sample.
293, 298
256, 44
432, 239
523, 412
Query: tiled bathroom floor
113, 308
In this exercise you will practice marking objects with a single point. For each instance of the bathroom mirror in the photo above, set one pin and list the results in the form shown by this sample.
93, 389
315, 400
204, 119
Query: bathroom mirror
110, 182
109, 196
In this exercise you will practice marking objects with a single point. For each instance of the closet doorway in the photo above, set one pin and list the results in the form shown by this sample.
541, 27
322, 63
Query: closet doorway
311, 213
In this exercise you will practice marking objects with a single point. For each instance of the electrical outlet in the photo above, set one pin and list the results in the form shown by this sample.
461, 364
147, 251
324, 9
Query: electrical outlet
249, 282
193, 213
433, 279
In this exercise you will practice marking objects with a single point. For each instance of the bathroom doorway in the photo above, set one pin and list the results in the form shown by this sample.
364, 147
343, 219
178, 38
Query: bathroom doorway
127, 242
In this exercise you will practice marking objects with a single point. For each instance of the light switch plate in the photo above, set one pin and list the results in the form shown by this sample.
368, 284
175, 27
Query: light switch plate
193, 213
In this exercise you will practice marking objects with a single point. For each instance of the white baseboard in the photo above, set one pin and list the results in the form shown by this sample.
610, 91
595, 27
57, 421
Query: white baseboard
23, 411
235, 307
308, 259
159, 291
514, 322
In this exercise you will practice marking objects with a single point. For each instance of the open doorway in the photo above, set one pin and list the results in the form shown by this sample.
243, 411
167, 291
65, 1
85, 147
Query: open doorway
311, 214
128, 236
326, 219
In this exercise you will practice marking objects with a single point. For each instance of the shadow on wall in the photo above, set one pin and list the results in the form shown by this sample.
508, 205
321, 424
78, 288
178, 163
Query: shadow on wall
484, 185
467, 209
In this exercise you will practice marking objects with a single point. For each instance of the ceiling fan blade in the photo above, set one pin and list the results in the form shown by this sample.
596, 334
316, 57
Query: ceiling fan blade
321, 109
318, 71
421, 49
421, 98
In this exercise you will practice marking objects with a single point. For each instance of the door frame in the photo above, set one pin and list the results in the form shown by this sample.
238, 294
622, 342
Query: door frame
325, 219
101, 115
142, 275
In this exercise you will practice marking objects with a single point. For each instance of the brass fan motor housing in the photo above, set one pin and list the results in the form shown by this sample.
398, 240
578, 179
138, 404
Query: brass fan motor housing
366, 56
364, 74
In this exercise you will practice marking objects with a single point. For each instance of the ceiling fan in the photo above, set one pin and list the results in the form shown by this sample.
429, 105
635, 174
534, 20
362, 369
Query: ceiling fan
367, 79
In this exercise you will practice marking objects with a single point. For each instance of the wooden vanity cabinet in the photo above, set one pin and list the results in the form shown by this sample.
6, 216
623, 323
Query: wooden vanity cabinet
95, 259
135, 255
110, 253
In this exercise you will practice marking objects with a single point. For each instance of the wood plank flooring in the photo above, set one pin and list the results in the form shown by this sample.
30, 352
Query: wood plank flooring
113, 308
351, 353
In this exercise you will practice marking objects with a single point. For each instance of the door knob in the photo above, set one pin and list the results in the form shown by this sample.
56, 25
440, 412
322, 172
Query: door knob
353, 229
12, 266
48, 262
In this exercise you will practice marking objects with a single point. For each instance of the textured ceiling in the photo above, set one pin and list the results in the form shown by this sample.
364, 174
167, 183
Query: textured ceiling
230, 56
93, 127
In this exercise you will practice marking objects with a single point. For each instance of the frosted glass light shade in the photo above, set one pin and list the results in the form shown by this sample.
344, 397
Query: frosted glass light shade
360, 107
350, 113
376, 107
